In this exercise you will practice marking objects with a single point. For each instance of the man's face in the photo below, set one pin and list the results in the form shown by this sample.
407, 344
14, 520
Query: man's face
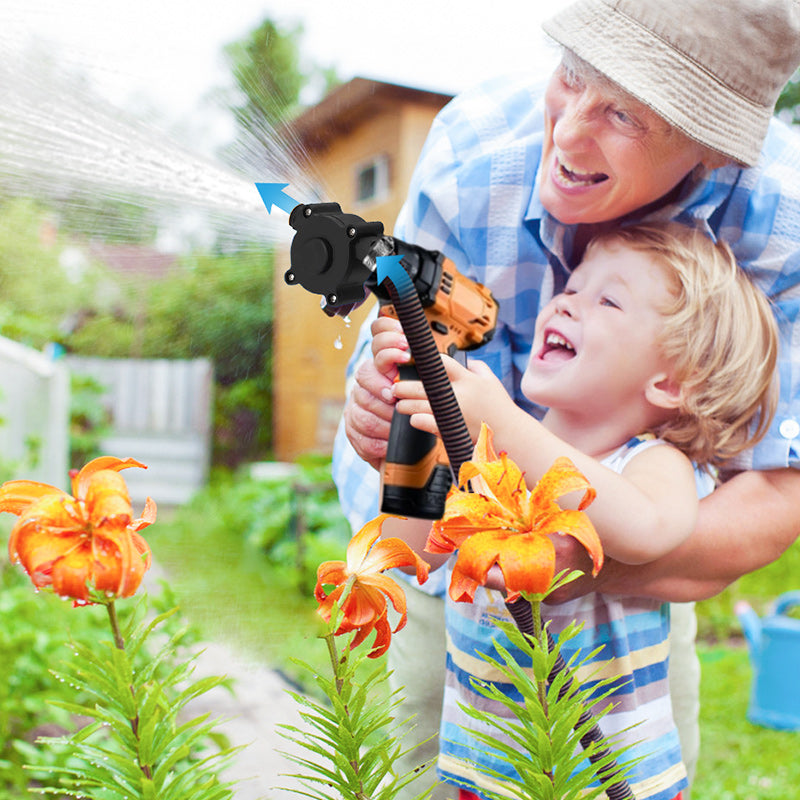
605, 154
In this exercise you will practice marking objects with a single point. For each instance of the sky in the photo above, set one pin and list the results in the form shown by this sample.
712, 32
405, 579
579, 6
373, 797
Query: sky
166, 54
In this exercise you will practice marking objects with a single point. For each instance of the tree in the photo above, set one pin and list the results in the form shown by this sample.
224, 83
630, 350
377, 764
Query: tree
789, 99
270, 77
266, 68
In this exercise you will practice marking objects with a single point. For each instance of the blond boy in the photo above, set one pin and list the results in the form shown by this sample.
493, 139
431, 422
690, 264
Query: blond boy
659, 355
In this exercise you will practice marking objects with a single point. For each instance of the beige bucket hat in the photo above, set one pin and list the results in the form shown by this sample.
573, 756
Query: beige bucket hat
712, 68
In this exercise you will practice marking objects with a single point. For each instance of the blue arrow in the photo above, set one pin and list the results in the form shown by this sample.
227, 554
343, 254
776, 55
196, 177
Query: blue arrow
273, 195
391, 268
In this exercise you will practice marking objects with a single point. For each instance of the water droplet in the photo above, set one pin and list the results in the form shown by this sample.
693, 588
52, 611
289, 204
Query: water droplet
337, 345
347, 321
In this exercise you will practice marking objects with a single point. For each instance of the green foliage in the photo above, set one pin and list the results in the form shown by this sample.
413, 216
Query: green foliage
103, 335
541, 739
37, 295
353, 739
112, 216
138, 747
39, 633
266, 68
220, 307
269, 77
295, 521
243, 419
88, 419
215, 306
298, 520
789, 99
32, 640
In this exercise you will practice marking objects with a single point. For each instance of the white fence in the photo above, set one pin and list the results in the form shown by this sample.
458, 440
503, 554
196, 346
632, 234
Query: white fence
34, 409
161, 415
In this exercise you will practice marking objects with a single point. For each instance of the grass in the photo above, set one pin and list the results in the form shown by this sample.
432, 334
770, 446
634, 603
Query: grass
234, 595
739, 760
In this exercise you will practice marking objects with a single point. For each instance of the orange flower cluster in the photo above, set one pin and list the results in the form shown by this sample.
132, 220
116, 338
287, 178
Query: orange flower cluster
498, 522
84, 543
501, 522
362, 589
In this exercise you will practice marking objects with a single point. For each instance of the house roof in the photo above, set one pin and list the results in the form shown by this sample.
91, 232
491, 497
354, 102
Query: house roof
353, 103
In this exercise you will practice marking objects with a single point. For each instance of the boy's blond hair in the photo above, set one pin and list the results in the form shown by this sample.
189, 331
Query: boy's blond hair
721, 336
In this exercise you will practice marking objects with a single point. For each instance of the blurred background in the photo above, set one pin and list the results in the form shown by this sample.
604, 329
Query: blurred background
130, 140
143, 310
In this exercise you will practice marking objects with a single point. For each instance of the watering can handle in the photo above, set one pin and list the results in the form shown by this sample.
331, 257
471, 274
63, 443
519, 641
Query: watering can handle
751, 625
786, 601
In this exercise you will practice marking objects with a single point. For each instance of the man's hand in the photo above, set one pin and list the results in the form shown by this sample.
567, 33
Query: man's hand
369, 408
572, 555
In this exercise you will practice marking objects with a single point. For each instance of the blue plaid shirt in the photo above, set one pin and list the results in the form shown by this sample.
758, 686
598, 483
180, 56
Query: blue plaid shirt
475, 196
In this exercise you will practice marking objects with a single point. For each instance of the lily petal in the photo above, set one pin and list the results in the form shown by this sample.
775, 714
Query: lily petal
148, 515
81, 480
83, 543
328, 572
562, 478
501, 522
578, 525
16, 496
360, 588
107, 499
361, 542
391, 553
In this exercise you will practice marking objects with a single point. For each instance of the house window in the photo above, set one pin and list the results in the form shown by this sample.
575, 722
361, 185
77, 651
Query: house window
372, 180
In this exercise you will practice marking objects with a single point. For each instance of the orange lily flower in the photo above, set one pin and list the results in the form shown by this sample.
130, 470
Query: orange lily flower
82, 543
500, 522
365, 589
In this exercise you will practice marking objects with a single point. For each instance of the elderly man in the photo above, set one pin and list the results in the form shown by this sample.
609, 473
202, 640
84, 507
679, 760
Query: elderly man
658, 111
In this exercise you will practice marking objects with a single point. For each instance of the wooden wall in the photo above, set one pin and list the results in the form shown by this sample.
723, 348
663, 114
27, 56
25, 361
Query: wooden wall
312, 350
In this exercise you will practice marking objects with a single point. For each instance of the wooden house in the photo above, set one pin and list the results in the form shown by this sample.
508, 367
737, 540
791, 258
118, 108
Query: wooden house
363, 139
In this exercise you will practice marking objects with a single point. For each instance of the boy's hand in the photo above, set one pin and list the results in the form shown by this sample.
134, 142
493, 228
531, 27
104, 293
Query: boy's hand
481, 397
389, 348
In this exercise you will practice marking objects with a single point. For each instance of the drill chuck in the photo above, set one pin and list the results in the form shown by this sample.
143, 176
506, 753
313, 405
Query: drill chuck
330, 253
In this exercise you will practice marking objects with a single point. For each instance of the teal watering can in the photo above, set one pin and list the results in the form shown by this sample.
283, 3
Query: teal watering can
774, 645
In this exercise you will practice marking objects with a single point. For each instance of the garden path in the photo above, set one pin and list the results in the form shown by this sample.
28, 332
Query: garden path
249, 717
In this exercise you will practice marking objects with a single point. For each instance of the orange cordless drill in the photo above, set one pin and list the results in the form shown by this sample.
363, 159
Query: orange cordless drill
335, 254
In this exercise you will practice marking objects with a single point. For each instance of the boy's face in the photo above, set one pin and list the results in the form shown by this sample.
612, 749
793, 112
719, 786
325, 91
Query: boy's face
595, 349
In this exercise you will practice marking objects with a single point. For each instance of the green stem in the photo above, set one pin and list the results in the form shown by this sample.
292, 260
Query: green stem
119, 642
112, 617
541, 682
541, 640
336, 663
330, 640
